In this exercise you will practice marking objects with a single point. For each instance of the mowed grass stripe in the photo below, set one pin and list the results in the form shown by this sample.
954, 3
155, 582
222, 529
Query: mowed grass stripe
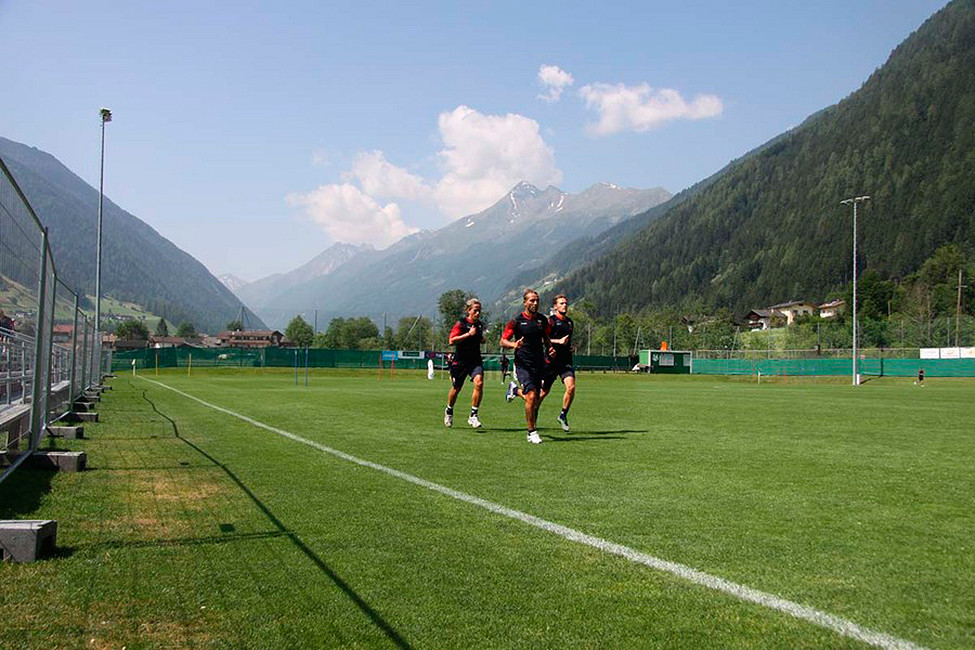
837, 624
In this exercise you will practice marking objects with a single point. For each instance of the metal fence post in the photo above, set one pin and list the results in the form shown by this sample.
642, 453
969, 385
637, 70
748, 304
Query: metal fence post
50, 343
84, 358
36, 416
74, 351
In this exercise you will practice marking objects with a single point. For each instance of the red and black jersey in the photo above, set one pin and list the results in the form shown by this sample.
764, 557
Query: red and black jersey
467, 351
561, 326
533, 329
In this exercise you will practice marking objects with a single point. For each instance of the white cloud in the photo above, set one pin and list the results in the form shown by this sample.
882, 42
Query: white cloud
349, 215
482, 158
555, 80
380, 178
641, 108
487, 155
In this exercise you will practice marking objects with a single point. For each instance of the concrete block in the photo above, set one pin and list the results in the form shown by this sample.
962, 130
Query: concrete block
72, 432
82, 405
92, 397
62, 461
86, 416
26, 540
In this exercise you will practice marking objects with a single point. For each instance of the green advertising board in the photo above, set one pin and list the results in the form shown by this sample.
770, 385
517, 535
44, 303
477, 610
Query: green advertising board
666, 362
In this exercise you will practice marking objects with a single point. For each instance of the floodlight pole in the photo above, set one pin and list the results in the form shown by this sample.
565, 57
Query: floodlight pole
855, 201
106, 116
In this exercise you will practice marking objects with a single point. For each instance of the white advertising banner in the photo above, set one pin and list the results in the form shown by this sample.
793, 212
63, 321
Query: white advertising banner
967, 353
950, 353
930, 353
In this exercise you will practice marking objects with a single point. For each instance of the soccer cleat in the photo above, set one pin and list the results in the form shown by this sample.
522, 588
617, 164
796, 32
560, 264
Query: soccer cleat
534, 438
448, 419
512, 392
564, 421
474, 422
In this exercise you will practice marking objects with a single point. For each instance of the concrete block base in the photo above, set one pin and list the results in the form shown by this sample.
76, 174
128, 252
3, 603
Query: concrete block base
71, 432
86, 416
92, 397
82, 405
27, 540
62, 461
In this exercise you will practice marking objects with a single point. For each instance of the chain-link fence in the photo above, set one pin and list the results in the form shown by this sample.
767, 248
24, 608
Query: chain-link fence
48, 352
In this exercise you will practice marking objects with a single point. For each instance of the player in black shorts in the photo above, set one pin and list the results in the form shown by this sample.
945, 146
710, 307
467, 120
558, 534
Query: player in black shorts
528, 335
466, 337
560, 363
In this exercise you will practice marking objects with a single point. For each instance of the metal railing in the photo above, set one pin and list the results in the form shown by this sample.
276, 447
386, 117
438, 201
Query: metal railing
48, 345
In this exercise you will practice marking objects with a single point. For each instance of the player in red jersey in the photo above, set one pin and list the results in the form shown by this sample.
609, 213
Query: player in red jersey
466, 336
528, 335
560, 363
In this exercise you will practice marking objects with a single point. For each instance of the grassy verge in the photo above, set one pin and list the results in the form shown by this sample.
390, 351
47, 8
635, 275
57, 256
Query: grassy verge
196, 529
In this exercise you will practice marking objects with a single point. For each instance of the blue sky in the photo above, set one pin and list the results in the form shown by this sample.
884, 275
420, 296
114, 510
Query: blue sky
255, 134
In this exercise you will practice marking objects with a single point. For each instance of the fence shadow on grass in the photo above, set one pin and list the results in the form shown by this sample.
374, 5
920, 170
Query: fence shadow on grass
21, 494
282, 530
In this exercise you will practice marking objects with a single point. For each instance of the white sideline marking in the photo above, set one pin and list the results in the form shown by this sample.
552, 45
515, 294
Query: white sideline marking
837, 624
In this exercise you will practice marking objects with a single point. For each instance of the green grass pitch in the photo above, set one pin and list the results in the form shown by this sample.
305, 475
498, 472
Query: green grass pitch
196, 529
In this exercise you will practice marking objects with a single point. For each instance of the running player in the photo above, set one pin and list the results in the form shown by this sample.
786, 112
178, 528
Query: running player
466, 337
528, 335
560, 363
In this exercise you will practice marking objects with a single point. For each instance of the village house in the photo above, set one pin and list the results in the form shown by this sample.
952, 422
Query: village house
175, 342
832, 309
793, 309
763, 319
250, 339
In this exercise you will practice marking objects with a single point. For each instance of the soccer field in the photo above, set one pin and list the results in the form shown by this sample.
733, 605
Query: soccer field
232, 508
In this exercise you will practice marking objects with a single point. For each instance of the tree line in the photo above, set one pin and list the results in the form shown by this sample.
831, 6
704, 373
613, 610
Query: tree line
920, 310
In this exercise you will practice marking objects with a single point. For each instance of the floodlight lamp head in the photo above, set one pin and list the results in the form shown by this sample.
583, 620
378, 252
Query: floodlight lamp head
106, 115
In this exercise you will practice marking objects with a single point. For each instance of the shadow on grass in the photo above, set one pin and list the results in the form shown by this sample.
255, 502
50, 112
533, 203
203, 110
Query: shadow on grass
23, 490
610, 434
282, 531
578, 438
147, 468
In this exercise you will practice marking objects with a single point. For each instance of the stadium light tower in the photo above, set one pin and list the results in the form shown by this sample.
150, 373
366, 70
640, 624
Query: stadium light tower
106, 117
854, 201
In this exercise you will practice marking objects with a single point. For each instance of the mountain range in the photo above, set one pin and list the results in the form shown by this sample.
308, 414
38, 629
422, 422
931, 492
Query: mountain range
480, 253
138, 264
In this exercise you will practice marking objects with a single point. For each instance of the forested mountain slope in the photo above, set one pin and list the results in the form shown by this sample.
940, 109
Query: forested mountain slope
772, 228
138, 264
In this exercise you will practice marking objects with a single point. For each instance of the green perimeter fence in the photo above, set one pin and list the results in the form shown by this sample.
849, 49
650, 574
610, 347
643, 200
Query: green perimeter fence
836, 367
149, 358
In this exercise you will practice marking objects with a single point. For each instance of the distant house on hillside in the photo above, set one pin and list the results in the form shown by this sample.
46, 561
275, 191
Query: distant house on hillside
791, 310
250, 339
832, 309
761, 319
